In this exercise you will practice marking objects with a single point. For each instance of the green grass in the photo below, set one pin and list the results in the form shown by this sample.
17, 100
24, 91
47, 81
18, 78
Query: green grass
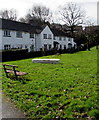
65, 90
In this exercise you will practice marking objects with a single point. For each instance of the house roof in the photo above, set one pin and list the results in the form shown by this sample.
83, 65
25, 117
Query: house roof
19, 26
87, 28
58, 32
34, 28
76, 28
40, 28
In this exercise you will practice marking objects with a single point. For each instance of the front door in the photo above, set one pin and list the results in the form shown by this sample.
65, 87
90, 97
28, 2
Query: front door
32, 48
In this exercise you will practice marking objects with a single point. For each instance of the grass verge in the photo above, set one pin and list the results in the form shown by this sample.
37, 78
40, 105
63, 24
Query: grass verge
65, 90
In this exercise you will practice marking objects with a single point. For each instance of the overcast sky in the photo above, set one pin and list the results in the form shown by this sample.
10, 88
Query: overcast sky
22, 6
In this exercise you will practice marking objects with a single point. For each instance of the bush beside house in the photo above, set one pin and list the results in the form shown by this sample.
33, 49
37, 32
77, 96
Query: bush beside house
18, 54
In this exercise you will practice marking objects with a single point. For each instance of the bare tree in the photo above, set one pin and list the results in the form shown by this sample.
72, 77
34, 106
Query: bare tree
39, 12
72, 15
22, 20
26, 19
8, 14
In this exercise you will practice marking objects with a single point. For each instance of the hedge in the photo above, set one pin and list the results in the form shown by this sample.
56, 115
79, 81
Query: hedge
11, 55
17, 54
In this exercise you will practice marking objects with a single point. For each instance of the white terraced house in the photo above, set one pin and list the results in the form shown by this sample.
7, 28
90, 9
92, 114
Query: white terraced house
61, 40
20, 35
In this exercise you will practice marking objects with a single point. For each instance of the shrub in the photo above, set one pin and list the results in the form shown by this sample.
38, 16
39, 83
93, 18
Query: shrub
35, 54
13, 54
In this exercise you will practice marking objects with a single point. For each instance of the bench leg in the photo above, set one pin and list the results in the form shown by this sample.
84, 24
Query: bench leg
16, 77
6, 74
15, 73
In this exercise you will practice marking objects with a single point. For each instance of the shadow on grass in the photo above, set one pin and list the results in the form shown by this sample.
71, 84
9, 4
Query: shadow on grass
22, 79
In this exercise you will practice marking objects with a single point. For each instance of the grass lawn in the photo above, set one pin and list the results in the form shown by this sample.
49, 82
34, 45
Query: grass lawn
65, 90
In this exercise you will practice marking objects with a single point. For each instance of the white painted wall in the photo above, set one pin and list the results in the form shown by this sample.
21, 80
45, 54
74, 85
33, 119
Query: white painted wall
41, 41
63, 42
47, 41
0, 39
15, 42
38, 42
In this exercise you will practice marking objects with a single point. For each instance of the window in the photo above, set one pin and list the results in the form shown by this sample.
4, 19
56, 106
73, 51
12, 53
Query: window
60, 46
49, 47
7, 33
32, 48
60, 38
19, 34
45, 46
45, 36
54, 38
31, 35
69, 39
49, 36
64, 38
19, 46
69, 45
26, 46
7, 47
64, 47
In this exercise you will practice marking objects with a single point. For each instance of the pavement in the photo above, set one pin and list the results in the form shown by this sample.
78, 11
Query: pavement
8, 109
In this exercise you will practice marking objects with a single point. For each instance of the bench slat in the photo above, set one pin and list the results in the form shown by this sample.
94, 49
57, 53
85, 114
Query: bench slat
21, 73
17, 73
10, 65
10, 69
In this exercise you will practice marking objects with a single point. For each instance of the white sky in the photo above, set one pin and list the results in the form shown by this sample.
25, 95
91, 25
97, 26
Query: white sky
22, 6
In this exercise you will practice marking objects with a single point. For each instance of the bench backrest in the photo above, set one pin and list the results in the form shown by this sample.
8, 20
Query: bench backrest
6, 68
10, 65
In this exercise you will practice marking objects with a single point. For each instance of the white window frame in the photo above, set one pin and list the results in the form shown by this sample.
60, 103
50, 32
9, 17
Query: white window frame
45, 46
50, 46
64, 47
60, 38
32, 47
6, 33
44, 36
20, 46
26, 46
31, 35
19, 34
54, 37
60, 47
69, 39
69, 45
49, 36
7, 47
64, 38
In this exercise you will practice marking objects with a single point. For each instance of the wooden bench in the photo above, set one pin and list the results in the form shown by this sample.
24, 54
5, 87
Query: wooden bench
12, 69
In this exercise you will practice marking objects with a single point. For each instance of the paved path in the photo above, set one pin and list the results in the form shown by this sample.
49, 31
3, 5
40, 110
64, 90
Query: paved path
9, 110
